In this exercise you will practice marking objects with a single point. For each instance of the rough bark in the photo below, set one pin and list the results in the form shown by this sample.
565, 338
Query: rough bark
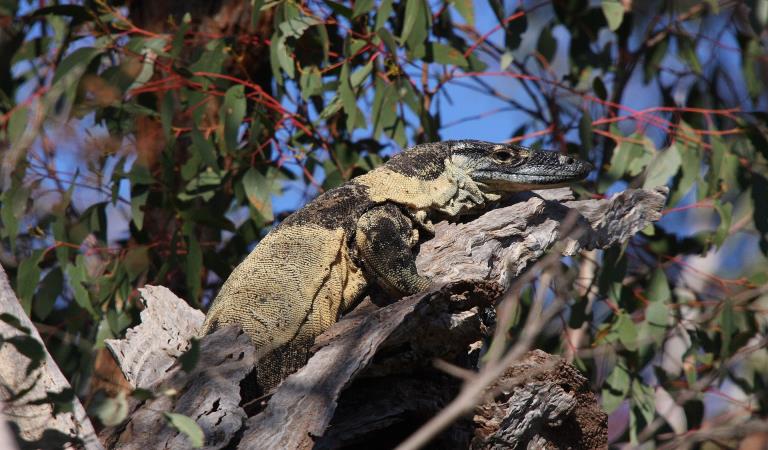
23, 395
344, 395
148, 350
543, 402
210, 392
503, 242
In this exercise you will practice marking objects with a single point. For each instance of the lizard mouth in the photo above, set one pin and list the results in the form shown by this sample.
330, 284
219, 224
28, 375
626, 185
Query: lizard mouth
540, 169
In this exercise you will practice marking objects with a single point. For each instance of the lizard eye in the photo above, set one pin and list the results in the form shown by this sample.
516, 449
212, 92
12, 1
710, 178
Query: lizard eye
502, 156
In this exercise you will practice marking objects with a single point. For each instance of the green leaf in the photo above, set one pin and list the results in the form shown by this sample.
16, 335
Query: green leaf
50, 289
644, 400
339, 9
760, 212
136, 261
204, 149
690, 166
613, 11
599, 87
311, 82
79, 14
138, 200
232, 113
665, 164
17, 123
77, 275
142, 394
103, 332
658, 287
725, 210
418, 20
277, 56
188, 427
13, 208
627, 331
258, 188
362, 7
358, 76
727, 327
547, 44
724, 167
467, 10
167, 110
382, 14
628, 157
348, 99
256, 6
112, 411
284, 58
506, 59
515, 31
297, 26
655, 55
27, 278
333, 107
388, 39
118, 321
654, 328
687, 52
384, 111
616, 388
211, 60
657, 314
148, 51
751, 55
412, 11
444, 54
189, 358
204, 186
73, 65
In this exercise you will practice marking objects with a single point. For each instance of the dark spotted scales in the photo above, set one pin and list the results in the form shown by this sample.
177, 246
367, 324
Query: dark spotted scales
320, 261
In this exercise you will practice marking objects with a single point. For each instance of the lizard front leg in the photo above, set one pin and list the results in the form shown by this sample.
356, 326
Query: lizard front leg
384, 238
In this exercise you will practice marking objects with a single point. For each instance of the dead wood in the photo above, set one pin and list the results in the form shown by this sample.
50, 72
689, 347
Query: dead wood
372, 378
540, 402
24, 395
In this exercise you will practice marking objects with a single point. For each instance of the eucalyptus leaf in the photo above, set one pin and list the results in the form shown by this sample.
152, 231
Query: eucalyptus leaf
614, 13
188, 427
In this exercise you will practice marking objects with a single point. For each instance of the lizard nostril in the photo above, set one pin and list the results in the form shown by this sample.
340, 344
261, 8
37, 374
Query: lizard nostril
570, 160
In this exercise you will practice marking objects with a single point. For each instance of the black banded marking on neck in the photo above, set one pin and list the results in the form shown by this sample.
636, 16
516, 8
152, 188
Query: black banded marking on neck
425, 162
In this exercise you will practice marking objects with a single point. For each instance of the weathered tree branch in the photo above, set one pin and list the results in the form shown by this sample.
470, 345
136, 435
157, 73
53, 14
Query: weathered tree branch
24, 395
373, 353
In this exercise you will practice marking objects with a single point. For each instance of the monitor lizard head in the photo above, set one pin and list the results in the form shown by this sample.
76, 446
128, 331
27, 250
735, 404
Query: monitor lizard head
457, 177
499, 168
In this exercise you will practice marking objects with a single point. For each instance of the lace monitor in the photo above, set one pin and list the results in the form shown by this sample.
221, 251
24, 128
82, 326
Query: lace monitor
320, 261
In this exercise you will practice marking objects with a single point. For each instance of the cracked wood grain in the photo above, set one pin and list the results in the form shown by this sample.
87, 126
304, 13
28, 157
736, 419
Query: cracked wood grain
149, 349
495, 247
210, 393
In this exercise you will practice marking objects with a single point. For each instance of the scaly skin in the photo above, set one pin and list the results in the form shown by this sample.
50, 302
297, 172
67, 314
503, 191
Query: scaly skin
319, 262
